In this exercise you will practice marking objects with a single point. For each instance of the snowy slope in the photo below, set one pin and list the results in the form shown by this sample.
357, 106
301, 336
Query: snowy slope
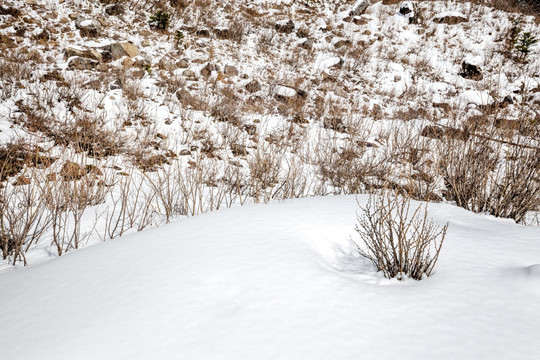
278, 281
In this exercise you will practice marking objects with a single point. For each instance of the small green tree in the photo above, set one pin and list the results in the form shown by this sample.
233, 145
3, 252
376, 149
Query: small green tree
524, 44
179, 37
160, 20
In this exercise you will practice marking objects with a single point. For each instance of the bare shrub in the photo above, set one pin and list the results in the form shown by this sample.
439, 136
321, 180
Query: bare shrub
482, 175
23, 219
399, 239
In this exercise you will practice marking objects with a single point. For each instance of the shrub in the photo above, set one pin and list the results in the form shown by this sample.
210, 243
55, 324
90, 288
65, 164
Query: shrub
160, 20
524, 43
178, 37
399, 239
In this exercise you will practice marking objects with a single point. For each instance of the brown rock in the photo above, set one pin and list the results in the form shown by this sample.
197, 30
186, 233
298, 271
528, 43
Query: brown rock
253, 86
72, 171
21, 180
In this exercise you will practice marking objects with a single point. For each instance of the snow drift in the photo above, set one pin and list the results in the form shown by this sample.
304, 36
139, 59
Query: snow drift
279, 281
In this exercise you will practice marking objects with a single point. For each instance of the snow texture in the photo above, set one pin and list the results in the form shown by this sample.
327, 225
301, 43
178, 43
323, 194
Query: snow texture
278, 281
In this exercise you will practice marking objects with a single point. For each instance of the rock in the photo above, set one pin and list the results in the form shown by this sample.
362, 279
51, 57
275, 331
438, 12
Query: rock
21, 180
89, 54
182, 64
202, 32
359, 20
80, 63
450, 18
87, 28
145, 43
121, 49
250, 129
116, 85
185, 152
93, 170
405, 8
189, 74
253, 86
471, 71
433, 132
187, 100
114, 9
285, 93
340, 42
307, 44
207, 70
303, 32
444, 106
286, 26
360, 8
166, 63
390, 2
127, 63
44, 35
72, 171
223, 33
230, 70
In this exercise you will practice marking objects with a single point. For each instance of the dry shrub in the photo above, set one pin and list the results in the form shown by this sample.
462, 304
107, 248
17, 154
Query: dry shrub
23, 219
89, 134
483, 176
399, 239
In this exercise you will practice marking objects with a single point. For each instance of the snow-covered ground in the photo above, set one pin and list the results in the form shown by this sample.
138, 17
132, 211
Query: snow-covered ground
278, 281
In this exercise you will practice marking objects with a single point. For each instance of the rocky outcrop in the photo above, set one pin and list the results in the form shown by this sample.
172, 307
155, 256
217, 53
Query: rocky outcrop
470, 71
286, 26
450, 18
81, 63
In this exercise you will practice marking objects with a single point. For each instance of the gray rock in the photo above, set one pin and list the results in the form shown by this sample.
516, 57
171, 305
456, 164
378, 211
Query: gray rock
182, 64
285, 27
230, 70
80, 63
114, 9
360, 8
253, 86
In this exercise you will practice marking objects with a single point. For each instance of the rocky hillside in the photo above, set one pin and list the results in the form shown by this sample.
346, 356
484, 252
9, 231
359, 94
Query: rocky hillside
118, 115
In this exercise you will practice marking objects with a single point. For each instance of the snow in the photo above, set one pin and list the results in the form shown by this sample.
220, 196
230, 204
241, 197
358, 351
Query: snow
278, 281
285, 91
476, 97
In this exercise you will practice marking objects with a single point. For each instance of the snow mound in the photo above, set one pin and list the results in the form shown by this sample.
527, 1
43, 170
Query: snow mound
533, 270
279, 281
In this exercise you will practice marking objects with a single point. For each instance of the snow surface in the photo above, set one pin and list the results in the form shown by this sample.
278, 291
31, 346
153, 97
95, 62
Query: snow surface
278, 281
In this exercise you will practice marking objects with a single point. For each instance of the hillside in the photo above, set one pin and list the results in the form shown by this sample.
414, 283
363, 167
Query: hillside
118, 116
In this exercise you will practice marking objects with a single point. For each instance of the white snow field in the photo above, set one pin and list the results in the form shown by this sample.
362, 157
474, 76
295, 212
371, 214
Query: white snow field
278, 281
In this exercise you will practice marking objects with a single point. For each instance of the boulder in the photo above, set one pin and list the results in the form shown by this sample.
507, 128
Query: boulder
406, 8
206, 71
89, 54
87, 27
80, 63
285, 26
471, 71
166, 63
121, 49
114, 9
230, 70
253, 86
72, 171
182, 64
450, 18
189, 74
359, 8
